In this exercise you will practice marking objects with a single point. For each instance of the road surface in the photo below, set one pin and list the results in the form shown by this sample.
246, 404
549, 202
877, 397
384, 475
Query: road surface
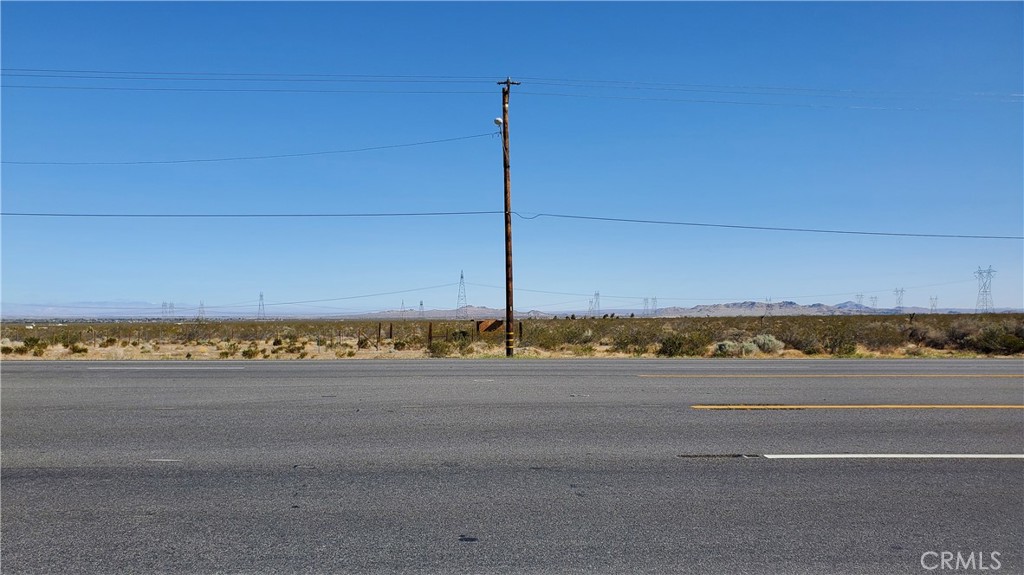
448, 466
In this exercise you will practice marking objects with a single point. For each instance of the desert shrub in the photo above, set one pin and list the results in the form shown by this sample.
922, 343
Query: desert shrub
399, 345
553, 335
929, 336
726, 349
22, 349
962, 331
582, 349
839, 339
6, 349
110, 341
733, 334
303, 355
32, 341
880, 336
544, 337
439, 348
66, 338
632, 338
767, 343
801, 338
277, 342
579, 336
684, 344
250, 352
363, 342
734, 349
414, 341
997, 339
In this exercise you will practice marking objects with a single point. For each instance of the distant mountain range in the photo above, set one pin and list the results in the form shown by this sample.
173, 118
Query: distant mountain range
110, 311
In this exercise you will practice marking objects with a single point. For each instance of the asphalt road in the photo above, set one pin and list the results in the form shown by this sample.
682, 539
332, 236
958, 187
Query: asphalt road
511, 467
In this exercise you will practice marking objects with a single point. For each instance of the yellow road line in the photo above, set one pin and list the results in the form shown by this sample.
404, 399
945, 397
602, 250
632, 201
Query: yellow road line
827, 375
865, 406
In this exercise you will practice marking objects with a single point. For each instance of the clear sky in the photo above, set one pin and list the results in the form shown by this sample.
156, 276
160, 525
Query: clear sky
874, 117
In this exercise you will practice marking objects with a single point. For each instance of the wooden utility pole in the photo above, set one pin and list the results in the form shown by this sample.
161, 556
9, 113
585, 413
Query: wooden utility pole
509, 332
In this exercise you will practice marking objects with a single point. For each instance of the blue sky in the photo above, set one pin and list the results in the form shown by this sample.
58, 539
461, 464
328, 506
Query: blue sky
873, 117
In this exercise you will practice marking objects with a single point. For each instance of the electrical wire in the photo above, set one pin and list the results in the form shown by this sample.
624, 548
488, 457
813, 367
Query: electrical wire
243, 75
362, 80
756, 89
495, 212
245, 305
246, 90
766, 90
726, 102
463, 92
236, 216
363, 296
248, 158
769, 228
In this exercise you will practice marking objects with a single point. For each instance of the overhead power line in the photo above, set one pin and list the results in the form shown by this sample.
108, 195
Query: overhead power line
249, 75
606, 84
727, 102
494, 212
718, 299
238, 216
240, 90
466, 92
769, 228
361, 80
242, 305
761, 89
248, 158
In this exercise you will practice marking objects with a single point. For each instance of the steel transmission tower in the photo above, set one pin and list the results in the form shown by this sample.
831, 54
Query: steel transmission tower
595, 305
874, 301
860, 299
768, 307
201, 314
421, 309
898, 292
460, 307
647, 306
654, 307
261, 313
984, 290
933, 304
